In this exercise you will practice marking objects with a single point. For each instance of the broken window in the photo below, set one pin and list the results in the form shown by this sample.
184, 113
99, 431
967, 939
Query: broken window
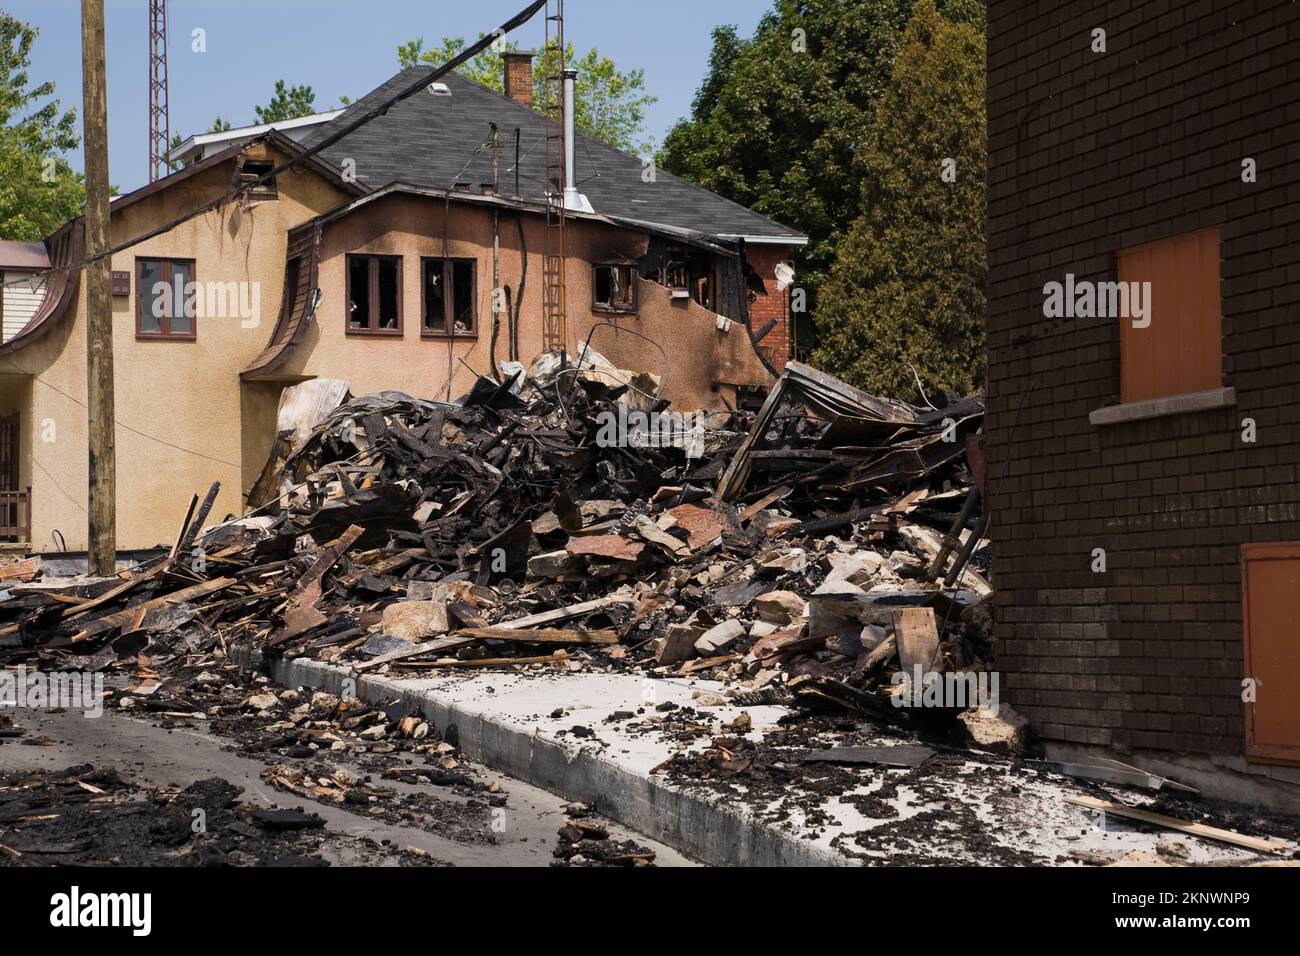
678, 278
164, 299
614, 288
375, 295
250, 172
450, 295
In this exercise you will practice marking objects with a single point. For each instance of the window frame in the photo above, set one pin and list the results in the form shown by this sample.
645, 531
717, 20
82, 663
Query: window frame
448, 303
372, 293
268, 191
165, 275
633, 275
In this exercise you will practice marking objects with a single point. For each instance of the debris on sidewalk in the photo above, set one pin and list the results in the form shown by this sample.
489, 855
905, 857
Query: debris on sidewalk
585, 841
83, 815
507, 531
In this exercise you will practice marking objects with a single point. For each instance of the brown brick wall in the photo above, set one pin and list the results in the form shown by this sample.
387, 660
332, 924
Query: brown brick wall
519, 77
1089, 154
774, 305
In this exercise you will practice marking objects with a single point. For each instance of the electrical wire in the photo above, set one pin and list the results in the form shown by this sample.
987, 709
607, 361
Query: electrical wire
122, 424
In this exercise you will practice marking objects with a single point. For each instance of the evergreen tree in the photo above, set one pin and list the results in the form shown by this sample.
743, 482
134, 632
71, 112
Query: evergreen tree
289, 102
780, 122
908, 284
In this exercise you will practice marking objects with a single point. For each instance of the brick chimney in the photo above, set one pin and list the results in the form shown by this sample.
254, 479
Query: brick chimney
519, 76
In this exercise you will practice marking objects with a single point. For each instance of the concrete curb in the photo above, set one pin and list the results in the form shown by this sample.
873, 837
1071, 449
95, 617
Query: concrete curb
698, 825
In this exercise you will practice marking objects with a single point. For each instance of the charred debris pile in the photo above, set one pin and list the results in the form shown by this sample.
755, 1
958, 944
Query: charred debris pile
803, 552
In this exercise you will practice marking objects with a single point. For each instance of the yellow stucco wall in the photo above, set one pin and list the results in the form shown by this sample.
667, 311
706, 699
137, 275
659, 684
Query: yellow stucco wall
178, 403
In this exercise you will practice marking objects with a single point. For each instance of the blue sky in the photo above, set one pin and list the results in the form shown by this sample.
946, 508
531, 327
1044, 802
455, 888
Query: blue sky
343, 48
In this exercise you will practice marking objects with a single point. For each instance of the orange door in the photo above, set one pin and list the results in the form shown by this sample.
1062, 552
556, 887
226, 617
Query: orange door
1271, 624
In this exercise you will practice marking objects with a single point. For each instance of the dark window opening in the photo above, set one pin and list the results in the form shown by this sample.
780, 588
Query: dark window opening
375, 295
250, 171
450, 297
165, 299
615, 288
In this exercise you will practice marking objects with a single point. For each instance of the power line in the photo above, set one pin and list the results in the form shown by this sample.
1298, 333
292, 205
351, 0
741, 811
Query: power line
119, 422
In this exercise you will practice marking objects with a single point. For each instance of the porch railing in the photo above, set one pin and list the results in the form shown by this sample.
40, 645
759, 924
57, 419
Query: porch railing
16, 515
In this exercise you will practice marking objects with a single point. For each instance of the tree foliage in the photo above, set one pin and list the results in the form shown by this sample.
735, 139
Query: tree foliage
289, 102
780, 120
38, 189
611, 104
908, 285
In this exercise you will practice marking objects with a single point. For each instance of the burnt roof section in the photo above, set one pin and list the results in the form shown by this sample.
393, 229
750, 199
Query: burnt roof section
431, 140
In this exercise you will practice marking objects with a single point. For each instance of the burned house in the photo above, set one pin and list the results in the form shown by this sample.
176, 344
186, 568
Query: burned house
416, 254
1143, 431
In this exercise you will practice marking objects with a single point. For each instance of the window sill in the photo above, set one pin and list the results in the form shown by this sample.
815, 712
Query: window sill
444, 337
1165, 407
376, 333
157, 337
608, 310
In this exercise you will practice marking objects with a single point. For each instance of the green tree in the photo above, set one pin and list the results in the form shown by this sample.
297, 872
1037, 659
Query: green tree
611, 104
780, 120
289, 102
220, 125
38, 189
908, 285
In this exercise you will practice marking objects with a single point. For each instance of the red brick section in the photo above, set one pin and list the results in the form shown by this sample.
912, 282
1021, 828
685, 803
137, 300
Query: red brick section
519, 76
1089, 154
775, 305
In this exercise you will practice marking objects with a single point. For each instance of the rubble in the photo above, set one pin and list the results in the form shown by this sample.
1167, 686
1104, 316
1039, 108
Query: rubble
802, 551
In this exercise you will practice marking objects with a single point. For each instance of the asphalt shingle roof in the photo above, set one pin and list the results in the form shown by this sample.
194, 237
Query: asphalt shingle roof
430, 140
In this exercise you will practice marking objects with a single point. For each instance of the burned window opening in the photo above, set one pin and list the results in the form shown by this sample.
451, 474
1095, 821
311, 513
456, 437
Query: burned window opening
614, 288
450, 297
252, 170
374, 295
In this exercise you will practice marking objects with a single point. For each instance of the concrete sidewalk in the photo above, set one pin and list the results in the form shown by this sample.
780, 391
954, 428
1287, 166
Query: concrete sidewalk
553, 730
504, 721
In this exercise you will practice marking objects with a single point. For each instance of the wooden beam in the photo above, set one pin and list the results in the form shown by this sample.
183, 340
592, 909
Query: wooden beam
1182, 826
540, 636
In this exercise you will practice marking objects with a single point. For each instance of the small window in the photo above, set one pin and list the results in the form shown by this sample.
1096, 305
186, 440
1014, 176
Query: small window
678, 276
450, 297
1176, 346
165, 299
615, 288
250, 172
374, 295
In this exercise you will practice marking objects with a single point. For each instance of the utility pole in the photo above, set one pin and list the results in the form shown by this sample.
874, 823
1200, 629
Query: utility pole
101, 513
497, 298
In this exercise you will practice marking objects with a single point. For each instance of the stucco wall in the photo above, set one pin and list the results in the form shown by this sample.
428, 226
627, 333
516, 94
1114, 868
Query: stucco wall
177, 402
414, 227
